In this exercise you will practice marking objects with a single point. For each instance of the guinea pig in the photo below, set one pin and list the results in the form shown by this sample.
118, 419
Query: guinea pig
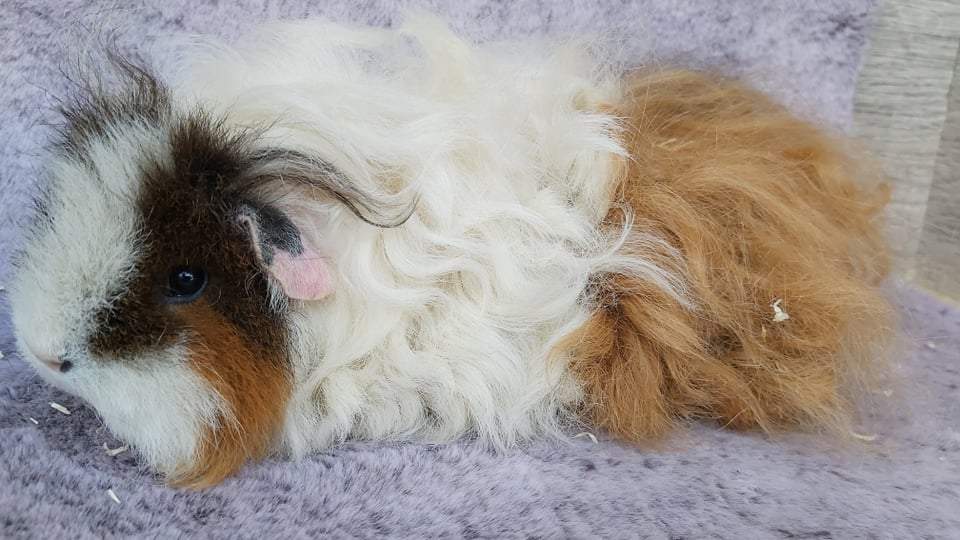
331, 233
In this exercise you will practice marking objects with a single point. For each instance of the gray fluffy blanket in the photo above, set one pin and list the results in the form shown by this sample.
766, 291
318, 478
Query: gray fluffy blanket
54, 474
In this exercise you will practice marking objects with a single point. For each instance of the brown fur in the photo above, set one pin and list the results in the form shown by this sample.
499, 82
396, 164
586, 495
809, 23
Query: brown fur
762, 206
255, 387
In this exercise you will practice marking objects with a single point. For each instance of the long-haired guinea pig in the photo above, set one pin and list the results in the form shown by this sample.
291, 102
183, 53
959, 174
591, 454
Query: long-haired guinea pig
331, 233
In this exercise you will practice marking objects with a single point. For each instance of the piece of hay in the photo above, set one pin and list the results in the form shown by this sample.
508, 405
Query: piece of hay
779, 315
113, 496
34, 420
114, 452
862, 437
59, 408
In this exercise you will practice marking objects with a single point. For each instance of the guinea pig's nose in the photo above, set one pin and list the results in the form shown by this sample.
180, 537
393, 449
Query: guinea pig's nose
56, 363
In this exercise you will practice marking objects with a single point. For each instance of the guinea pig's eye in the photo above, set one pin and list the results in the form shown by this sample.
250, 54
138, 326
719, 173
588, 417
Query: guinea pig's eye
186, 283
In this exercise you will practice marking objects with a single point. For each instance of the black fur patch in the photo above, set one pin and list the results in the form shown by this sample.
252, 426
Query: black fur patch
299, 169
93, 109
189, 219
274, 231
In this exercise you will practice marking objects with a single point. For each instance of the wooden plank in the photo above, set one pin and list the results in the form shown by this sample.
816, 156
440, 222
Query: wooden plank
938, 259
901, 107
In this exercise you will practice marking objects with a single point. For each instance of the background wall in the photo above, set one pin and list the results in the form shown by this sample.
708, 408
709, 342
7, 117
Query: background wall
908, 86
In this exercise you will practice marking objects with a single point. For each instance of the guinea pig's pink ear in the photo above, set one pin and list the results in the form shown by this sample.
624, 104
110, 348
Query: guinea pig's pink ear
303, 273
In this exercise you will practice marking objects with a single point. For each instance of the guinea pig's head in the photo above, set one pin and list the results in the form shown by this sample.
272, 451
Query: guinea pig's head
154, 283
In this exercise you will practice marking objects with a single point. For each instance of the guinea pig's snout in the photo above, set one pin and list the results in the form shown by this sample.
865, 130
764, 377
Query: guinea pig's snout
57, 364
61, 365
52, 361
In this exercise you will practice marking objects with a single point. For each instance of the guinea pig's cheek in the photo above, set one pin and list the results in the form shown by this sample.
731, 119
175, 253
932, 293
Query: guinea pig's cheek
253, 383
155, 401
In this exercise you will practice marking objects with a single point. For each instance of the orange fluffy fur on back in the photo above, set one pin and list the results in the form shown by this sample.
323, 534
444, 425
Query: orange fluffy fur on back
764, 208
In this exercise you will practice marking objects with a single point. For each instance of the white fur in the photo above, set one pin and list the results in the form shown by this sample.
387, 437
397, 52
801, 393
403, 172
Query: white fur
77, 262
456, 311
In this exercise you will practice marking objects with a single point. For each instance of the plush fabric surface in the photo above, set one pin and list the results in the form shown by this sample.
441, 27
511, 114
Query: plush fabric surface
54, 474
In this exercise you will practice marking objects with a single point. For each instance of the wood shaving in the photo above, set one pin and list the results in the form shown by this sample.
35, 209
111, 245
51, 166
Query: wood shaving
59, 408
113, 496
779, 315
591, 436
862, 437
114, 452
34, 420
